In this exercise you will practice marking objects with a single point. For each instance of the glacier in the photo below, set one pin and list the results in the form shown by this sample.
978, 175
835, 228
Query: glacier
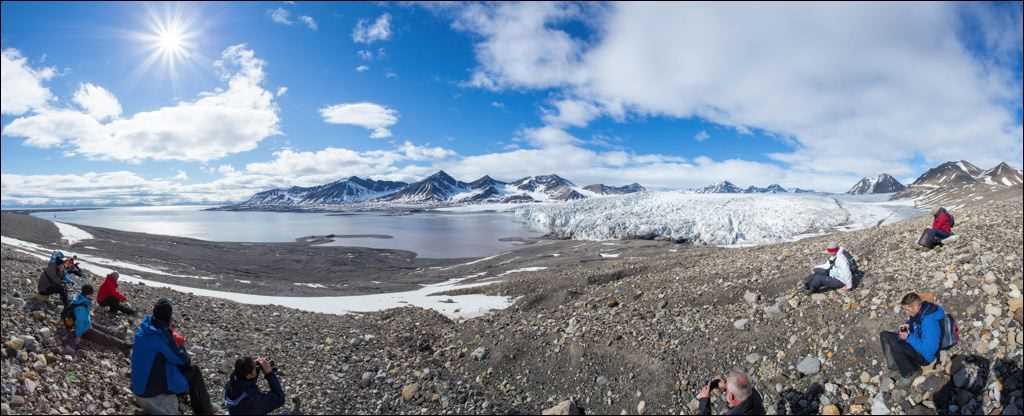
711, 219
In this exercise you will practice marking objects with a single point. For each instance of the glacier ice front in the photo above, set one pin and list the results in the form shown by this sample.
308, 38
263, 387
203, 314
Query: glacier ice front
712, 219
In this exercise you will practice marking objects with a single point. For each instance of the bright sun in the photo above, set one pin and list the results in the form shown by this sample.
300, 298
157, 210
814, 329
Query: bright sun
170, 42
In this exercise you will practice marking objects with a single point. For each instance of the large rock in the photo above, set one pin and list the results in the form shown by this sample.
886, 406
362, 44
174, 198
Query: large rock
751, 297
809, 366
409, 392
479, 354
742, 324
567, 407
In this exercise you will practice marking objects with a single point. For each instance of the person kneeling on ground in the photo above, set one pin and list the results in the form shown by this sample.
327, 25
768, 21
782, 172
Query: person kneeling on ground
78, 320
835, 274
741, 397
111, 298
161, 368
52, 279
942, 228
917, 342
243, 397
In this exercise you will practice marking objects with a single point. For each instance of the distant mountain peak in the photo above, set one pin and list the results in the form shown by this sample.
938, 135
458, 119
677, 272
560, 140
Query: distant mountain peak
881, 184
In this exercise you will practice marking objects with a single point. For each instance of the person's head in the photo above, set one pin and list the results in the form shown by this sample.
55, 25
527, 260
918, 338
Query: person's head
737, 388
163, 311
57, 257
936, 211
113, 276
911, 304
87, 291
832, 248
245, 369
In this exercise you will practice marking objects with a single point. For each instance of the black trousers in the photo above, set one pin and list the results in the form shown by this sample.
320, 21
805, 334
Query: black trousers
115, 305
57, 290
900, 355
198, 395
820, 281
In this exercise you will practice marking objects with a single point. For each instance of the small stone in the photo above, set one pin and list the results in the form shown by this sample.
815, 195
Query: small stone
865, 378
753, 358
819, 297
602, 381
809, 366
409, 392
742, 324
990, 278
751, 297
15, 344
479, 354
567, 407
39, 316
993, 310
641, 407
990, 290
30, 386
830, 410
366, 379
612, 302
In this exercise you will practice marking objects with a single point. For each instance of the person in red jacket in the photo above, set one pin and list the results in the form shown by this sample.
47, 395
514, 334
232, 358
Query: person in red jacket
942, 228
109, 296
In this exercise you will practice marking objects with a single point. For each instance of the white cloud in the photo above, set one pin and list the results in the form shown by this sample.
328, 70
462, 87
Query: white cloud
97, 102
379, 30
310, 22
23, 88
855, 89
362, 68
497, 104
571, 112
370, 116
281, 91
701, 136
217, 124
280, 16
181, 176
365, 55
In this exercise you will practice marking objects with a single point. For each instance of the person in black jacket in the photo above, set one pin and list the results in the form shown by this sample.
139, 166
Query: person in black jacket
741, 397
242, 396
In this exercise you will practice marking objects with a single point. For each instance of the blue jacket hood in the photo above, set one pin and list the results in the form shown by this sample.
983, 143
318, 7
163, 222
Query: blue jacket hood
926, 330
152, 341
83, 316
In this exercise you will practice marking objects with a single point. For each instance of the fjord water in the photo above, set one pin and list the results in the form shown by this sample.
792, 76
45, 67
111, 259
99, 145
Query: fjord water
430, 235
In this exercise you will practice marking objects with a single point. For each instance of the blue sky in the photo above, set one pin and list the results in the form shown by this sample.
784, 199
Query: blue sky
672, 96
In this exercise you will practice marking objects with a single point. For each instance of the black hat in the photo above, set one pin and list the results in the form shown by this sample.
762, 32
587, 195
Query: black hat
87, 290
163, 310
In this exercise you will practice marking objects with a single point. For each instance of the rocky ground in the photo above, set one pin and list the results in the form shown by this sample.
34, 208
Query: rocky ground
638, 333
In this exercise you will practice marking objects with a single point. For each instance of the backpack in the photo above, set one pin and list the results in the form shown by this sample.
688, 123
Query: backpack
854, 268
950, 333
67, 316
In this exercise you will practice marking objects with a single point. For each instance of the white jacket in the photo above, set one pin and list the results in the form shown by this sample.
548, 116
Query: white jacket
841, 269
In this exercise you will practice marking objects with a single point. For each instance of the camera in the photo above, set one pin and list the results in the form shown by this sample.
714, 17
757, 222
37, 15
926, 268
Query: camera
713, 384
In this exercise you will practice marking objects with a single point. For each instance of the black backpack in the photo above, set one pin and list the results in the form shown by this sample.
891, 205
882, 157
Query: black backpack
67, 315
854, 268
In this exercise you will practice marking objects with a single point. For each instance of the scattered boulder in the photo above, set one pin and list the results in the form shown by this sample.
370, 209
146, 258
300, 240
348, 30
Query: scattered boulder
809, 366
479, 354
567, 407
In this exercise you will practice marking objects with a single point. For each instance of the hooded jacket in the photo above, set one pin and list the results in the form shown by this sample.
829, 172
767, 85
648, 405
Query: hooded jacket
108, 289
82, 307
839, 268
53, 275
155, 361
243, 397
926, 330
943, 222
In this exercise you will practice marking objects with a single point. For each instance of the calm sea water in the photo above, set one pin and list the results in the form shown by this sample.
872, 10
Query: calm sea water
429, 235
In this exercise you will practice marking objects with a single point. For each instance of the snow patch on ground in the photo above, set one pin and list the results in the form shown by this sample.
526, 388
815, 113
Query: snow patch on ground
610, 255
523, 270
468, 306
713, 219
481, 260
248, 282
312, 285
72, 234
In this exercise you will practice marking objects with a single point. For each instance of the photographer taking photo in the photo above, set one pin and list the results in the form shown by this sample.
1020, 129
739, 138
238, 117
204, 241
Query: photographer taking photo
740, 395
242, 396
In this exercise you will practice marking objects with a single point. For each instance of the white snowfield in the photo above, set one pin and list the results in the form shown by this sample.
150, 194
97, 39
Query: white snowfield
465, 306
72, 234
711, 219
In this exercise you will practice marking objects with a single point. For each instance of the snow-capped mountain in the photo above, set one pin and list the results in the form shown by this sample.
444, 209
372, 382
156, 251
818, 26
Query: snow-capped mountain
552, 187
883, 184
724, 187
1002, 174
953, 184
949, 173
344, 191
615, 190
435, 188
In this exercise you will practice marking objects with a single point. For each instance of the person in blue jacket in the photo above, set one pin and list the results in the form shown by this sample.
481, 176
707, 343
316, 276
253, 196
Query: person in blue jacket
161, 368
917, 342
242, 396
79, 316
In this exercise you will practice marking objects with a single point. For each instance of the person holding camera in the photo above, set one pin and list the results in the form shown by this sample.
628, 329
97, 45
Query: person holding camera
740, 395
54, 278
242, 395
917, 342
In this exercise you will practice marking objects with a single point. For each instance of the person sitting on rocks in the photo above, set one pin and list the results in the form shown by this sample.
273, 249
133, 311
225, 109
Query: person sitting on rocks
835, 274
740, 395
111, 298
52, 279
917, 342
78, 318
162, 369
242, 396
942, 228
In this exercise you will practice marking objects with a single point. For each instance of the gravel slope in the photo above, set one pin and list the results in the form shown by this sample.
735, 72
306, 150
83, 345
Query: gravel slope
634, 334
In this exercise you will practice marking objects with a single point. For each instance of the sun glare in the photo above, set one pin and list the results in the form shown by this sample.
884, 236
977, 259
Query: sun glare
169, 41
